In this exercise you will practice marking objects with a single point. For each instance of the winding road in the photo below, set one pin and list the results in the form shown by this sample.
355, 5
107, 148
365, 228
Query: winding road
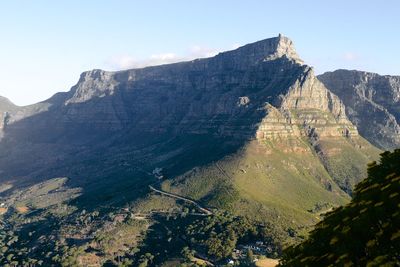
202, 209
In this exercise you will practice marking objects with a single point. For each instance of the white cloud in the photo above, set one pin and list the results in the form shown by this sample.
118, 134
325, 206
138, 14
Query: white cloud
235, 46
122, 62
167, 57
128, 62
350, 56
197, 51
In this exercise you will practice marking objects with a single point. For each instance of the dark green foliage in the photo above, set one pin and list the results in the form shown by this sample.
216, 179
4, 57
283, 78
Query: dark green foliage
187, 253
208, 237
249, 260
219, 234
366, 232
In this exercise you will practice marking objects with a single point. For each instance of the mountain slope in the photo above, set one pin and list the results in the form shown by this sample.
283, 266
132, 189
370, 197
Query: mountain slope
305, 156
251, 131
372, 103
363, 233
130, 122
222, 100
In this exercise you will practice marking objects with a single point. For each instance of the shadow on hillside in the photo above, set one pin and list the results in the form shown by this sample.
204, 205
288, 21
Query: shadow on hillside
111, 166
109, 146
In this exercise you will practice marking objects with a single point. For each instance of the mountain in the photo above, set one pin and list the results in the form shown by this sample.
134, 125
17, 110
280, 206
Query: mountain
250, 131
365, 232
372, 103
161, 116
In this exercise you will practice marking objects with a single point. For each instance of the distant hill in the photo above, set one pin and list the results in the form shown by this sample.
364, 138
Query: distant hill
364, 232
372, 103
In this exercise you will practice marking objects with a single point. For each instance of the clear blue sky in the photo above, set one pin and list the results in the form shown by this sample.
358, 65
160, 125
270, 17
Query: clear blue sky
45, 45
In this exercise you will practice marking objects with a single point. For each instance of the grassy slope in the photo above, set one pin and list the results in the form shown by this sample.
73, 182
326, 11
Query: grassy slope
363, 233
345, 159
282, 182
285, 181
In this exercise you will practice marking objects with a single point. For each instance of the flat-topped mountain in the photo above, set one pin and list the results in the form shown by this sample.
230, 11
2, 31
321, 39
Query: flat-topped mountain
150, 95
259, 91
252, 131
372, 102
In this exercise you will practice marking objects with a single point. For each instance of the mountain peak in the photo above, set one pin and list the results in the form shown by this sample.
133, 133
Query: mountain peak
285, 47
6, 104
93, 83
266, 50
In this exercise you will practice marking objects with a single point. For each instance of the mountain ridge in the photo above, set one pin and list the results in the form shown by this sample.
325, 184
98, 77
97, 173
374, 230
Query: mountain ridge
372, 100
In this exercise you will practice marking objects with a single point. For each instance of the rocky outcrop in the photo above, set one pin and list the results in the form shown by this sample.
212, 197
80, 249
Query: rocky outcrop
95, 83
284, 47
5, 108
372, 103
308, 107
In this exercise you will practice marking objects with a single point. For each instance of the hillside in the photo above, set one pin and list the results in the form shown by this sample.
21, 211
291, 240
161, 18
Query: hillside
364, 232
251, 134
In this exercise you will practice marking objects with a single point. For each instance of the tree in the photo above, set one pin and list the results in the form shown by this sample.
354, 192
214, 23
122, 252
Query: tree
363, 233
143, 263
249, 260
187, 253
145, 260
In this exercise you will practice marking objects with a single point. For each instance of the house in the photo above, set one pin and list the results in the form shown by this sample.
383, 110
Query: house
157, 172
230, 262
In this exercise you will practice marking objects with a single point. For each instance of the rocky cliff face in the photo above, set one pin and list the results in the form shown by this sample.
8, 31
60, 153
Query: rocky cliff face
114, 125
92, 84
219, 95
307, 108
372, 102
5, 107
224, 95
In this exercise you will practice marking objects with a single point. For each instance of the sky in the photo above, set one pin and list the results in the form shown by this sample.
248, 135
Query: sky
45, 45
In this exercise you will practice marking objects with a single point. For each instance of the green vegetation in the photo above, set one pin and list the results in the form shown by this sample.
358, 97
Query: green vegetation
180, 236
219, 234
268, 190
345, 164
188, 236
365, 232
276, 182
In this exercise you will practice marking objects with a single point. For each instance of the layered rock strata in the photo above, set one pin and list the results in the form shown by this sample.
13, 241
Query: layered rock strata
372, 101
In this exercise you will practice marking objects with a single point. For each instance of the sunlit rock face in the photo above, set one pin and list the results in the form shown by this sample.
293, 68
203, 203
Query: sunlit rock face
372, 103
92, 84
308, 107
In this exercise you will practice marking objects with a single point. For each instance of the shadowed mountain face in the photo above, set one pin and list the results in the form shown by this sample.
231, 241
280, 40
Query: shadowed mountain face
113, 128
372, 103
146, 116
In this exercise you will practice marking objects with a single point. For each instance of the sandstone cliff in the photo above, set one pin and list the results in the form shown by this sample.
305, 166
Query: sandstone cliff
308, 107
372, 101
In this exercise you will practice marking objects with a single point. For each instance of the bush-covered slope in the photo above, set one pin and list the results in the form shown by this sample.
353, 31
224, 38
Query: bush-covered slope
366, 232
